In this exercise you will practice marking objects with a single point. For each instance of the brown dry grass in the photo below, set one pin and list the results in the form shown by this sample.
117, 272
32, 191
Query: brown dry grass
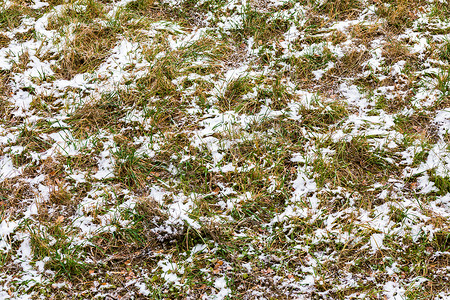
88, 49
398, 14
351, 64
4, 40
341, 9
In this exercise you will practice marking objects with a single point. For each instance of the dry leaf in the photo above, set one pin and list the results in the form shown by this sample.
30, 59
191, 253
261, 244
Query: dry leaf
202, 287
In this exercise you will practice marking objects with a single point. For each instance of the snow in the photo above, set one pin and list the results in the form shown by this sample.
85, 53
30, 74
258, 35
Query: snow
393, 291
6, 228
376, 241
221, 285
7, 169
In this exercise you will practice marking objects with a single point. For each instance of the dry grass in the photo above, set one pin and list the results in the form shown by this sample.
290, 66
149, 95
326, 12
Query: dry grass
4, 40
398, 14
340, 9
351, 64
95, 114
88, 48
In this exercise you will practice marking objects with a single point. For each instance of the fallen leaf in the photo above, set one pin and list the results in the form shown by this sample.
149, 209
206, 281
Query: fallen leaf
202, 287
217, 266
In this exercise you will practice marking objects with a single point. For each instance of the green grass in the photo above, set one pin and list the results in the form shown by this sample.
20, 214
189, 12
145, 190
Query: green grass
55, 245
11, 16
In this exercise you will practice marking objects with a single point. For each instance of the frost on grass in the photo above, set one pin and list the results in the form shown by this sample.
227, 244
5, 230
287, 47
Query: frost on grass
224, 149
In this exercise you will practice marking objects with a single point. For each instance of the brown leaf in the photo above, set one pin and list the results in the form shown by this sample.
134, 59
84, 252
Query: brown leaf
202, 287
219, 263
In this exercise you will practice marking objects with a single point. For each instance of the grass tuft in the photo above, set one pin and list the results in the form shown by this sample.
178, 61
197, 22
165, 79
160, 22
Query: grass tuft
89, 48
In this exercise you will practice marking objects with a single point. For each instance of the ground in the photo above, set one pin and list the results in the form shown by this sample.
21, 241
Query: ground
214, 149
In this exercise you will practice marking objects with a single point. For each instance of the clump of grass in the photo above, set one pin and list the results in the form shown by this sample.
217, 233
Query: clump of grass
365, 33
443, 83
55, 242
441, 9
233, 97
442, 183
131, 169
22, 63
398, 14
85, 11
26, 36
354, 164
445, 52
340, 9
158, 82
59, 194
287, 130
276, 92
209, 50
323, 117
89, 48
260, 26
4, 40
194, 175
31, 140
419, 124
11, 17
5, 90
92, 116
136, 170
357, 153
125, 241
57, 2
395, 51
140, 5
186, 13
350, 64
14, 190
314, 60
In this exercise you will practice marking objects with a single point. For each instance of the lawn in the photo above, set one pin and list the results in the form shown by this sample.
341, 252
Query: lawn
215, 149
